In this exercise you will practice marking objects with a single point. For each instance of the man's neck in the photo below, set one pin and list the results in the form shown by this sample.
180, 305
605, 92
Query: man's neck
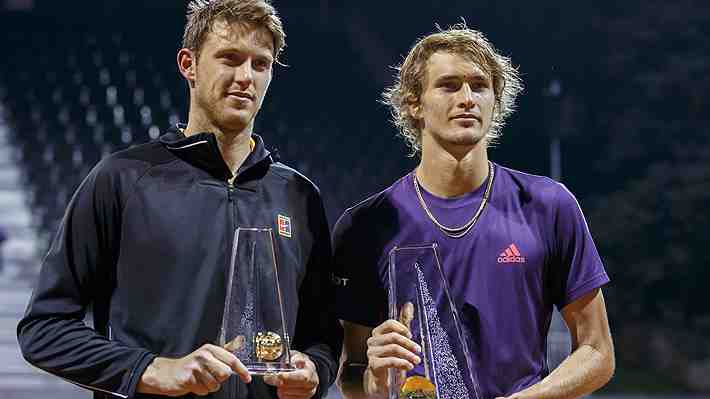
234, 146
449, 174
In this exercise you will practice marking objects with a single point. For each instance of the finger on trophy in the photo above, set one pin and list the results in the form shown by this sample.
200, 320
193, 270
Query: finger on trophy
406, 315
415, 386
235, 345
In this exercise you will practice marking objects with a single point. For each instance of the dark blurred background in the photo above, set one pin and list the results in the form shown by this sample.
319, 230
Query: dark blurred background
614, 106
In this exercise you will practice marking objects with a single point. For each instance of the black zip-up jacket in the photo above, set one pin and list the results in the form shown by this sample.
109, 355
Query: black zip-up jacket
146, 242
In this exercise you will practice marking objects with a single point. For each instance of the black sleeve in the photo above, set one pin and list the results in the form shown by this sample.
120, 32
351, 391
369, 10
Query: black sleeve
318, 332
74, 274
360, 297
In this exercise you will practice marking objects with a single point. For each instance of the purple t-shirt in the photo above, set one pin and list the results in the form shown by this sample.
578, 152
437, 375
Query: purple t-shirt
530, 249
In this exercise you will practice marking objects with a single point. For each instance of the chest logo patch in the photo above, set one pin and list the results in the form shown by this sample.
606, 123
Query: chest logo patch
511, 255
284, 224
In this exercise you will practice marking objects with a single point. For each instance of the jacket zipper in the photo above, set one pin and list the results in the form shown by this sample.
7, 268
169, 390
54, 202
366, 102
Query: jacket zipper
230, 190
233, 384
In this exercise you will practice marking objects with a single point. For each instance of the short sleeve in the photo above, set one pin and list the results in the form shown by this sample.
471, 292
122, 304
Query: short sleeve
577, 268
360, 296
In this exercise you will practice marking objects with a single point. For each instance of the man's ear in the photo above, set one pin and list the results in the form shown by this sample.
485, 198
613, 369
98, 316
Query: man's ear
415, 109
187, 64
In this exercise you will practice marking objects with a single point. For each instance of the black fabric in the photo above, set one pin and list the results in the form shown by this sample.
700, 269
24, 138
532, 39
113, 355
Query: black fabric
146, 241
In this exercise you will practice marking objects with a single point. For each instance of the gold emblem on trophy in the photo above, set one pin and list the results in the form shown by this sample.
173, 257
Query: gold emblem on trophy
417, 387
268, 346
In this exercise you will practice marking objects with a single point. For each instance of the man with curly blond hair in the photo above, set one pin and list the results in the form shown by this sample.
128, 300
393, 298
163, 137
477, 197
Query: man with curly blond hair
512, 246
147, 240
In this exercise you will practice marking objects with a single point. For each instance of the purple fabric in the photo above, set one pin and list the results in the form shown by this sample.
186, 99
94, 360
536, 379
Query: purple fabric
530, 250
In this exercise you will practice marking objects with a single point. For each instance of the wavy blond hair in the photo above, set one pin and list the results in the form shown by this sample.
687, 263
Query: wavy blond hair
411, 75
201, 15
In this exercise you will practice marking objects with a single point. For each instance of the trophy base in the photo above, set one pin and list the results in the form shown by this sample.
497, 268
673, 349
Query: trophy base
268, 368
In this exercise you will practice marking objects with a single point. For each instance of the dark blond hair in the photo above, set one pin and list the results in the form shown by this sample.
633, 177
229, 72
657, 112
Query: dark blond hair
202, 14
456, 39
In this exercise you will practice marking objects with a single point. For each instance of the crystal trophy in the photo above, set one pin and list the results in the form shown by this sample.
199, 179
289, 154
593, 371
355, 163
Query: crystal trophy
254, 324
419, 298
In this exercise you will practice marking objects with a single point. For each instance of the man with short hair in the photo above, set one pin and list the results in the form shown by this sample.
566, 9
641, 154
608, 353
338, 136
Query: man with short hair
512, 245
147, 238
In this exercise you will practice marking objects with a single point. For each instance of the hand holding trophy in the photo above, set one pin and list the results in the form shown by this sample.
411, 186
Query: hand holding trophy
391, 347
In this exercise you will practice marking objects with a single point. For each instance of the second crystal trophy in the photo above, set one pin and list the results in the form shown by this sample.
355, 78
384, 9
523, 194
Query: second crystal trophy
419, 298
254, 324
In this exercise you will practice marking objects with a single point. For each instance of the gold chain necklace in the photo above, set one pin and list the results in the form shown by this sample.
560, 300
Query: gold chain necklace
457, 232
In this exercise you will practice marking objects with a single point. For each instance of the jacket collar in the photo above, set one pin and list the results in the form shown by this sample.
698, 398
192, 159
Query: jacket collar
202, 151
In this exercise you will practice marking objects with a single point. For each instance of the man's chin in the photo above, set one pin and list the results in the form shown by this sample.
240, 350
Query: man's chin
466, 139
236, 121
460, 140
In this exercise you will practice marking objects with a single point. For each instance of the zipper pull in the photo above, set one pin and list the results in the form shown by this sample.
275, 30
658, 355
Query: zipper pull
230, 191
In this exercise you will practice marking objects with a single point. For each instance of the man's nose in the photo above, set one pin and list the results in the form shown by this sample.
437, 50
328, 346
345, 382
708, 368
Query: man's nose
244, 75
468, 98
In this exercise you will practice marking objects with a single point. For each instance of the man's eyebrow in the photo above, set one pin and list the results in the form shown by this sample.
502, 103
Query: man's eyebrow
473, 77
265, 55
479, 76
224, 50
448, 76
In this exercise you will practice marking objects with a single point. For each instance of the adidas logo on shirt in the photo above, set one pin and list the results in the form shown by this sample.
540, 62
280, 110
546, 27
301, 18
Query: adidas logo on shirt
511, 255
